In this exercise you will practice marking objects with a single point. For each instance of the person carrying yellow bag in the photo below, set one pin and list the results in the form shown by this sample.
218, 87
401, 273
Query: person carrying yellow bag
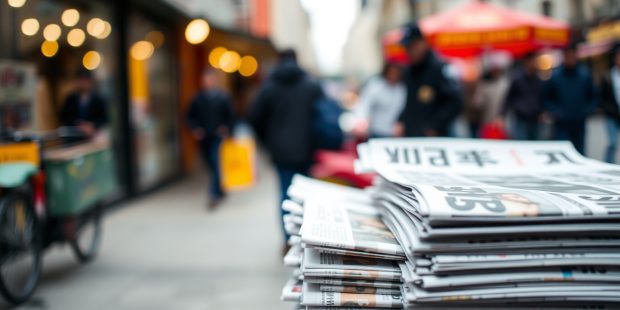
238, 161
210, 117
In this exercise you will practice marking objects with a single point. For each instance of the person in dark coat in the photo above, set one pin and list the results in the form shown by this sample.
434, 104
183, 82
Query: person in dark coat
85, 108
610, 104
434, 98
282, 116
211, 119
570, 96
524, 100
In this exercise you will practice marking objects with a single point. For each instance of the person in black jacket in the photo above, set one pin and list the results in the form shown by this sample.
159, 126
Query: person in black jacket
210, 117
611, 106
434, 98
570, 96
84, 108
524, 100
282, 116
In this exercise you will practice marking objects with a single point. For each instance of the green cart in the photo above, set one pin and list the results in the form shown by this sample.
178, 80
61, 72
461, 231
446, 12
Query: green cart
50, 192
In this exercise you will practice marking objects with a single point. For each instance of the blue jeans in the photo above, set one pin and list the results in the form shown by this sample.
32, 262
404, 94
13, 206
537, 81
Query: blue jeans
210, 151
612, 144
575, 132
285, 177
525, 129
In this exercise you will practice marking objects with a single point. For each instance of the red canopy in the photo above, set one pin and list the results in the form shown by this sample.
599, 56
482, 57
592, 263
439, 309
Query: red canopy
468, 30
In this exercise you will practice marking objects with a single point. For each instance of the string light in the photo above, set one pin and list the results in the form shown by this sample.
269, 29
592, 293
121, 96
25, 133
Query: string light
91, 60
52, 32
70, 17
197, 31
30, 26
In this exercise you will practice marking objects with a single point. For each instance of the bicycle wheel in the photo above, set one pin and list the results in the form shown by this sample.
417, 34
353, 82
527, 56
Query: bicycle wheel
87, 239
20, 248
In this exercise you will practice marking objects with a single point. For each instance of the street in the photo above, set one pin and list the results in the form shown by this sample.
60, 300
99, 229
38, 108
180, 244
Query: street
166, 251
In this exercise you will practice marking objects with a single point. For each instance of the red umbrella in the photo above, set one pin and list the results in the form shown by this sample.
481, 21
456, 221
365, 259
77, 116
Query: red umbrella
469, 30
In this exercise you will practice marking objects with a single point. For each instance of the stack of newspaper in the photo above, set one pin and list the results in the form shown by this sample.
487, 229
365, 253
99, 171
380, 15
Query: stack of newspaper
343, 254
498, 224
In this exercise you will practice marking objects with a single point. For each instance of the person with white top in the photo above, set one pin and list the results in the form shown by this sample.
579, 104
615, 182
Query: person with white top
380, 104
611, 105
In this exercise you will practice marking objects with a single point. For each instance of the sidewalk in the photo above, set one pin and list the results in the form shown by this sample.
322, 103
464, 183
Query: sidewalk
165, 251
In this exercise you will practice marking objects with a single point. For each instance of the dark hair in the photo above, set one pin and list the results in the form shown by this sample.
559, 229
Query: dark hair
287, 55
387, 66
571, 47
530, 55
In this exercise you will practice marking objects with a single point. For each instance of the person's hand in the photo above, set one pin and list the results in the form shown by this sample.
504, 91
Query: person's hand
399, 129
87, 128
198, 133
360, 129
429, 132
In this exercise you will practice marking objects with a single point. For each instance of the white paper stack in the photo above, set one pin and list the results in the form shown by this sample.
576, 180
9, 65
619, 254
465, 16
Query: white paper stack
497, 224
343, 254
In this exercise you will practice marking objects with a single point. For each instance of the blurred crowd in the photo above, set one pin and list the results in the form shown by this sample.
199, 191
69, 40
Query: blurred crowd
293, 117
426, 98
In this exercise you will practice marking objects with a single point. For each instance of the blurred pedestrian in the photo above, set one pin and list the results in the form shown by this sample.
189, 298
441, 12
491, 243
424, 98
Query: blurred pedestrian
210, 118
524, 100
380, 103
282, 116
491, 91
434, 98
85, 108
610, 104
570, 96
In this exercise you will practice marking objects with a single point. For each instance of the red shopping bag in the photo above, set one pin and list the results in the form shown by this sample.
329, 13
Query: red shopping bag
493, 131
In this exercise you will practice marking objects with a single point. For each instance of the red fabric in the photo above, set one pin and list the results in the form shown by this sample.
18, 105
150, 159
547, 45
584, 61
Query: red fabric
469, 30
492, 131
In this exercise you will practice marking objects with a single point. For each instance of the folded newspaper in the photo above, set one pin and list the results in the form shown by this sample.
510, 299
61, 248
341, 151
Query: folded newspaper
457, 223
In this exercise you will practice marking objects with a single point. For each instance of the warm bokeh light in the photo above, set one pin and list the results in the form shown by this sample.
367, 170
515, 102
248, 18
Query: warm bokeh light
248, 66
155, 37
30, 26
95, 27
16, 3
545, 62
76, 37
142, 50
107, 29
215, 55
70, 17
197, 31
52, 32
91, 60
230, 61
49, 48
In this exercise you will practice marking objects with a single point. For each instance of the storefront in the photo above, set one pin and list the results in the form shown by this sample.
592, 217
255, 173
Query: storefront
600, 39
239, 80
130, 48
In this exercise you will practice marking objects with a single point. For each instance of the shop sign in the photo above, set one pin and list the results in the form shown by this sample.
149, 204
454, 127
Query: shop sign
17, 94
608, 32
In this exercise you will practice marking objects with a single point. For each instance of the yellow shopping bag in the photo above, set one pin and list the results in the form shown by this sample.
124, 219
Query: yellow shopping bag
237, 163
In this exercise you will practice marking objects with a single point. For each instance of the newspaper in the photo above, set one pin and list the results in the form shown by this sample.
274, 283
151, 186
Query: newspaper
353, 282
359, 290
314, 259
332, 225
317, 264
294, 256
496, 222
312, 296
292, 290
